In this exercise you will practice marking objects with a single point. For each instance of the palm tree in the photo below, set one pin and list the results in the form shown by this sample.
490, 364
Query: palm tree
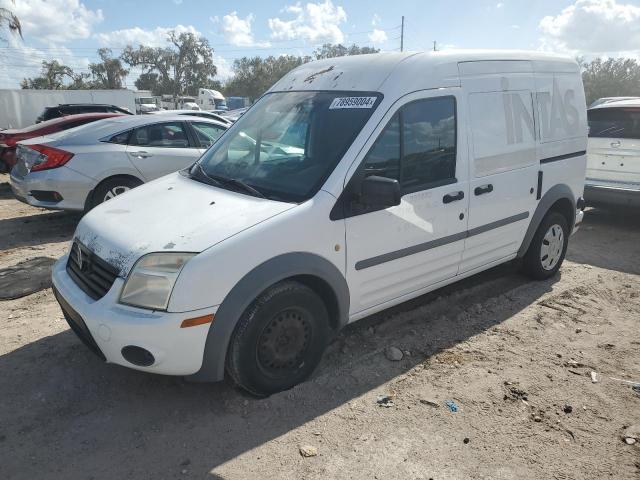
8, 19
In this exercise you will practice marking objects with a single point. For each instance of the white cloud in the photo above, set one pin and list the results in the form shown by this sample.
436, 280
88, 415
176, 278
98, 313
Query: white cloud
137, 36
593, 27
25, 62
314, 22
375, 20
378, 36
237, 31
499, 4
224, 67
56, 21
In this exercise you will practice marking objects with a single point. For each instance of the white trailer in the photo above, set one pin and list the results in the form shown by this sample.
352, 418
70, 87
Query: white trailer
20, 108
211, 100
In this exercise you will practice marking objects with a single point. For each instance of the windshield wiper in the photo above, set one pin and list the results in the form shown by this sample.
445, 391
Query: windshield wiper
200, 175
221, 181
234, 182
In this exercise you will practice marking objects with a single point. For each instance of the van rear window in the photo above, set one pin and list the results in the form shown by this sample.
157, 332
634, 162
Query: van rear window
614, 122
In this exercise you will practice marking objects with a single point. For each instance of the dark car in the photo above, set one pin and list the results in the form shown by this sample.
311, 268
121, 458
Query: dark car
9, 138
65, 109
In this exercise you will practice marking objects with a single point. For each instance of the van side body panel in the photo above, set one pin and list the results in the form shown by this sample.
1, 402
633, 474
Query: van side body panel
502, 149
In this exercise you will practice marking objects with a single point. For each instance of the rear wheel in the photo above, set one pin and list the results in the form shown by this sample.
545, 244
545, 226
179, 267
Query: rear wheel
279, 340
111, 188
548, 247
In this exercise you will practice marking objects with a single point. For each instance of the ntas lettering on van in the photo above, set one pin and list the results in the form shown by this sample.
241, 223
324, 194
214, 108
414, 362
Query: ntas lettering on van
558, 111
557, 114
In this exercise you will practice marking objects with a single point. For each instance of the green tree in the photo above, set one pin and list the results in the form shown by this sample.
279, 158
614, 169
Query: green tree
612, 77
329, 50
149, 81
53, 75
109, 72
254, 76
181, 68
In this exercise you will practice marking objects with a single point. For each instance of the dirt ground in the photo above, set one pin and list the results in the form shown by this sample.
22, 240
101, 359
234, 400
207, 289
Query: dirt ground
514, 356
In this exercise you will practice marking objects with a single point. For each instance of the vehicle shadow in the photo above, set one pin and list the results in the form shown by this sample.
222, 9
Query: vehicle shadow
605, 239
5, 191
37, 229
105, 421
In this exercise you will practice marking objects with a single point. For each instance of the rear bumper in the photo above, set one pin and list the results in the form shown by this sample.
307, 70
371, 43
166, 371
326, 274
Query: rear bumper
611, 195
71, 185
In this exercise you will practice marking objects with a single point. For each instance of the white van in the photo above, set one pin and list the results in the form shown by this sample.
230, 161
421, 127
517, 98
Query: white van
613, 164
353, 185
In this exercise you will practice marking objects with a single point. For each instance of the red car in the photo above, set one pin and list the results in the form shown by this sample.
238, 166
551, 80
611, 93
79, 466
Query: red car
9, 138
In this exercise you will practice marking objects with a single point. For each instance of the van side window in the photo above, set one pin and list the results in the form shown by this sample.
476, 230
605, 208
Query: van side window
383, 160
429, 144
418, 146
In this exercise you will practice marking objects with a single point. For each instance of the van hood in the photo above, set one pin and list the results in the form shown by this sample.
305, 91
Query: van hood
171, 214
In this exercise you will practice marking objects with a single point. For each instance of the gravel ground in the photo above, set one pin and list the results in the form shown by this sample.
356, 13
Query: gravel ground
514, 356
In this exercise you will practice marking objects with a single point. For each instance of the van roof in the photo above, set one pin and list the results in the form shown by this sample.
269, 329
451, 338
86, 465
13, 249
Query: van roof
409, 71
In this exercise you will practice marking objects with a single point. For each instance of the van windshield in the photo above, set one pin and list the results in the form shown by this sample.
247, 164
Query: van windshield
287, 144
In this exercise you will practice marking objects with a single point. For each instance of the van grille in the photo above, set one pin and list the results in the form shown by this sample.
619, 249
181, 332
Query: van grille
93, 275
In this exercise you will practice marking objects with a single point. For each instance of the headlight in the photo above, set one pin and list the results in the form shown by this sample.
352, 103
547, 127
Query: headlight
151, 280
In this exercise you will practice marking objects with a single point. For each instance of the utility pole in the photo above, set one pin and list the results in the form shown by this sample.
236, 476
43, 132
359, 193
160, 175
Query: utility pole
402, 34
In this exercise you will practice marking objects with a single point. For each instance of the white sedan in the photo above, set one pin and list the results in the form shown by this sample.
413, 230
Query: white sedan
85, 166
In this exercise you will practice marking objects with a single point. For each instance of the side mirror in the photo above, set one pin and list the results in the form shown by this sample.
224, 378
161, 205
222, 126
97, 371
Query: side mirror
380, 191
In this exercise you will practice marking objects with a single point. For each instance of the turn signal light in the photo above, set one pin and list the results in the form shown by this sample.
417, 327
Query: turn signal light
192, 322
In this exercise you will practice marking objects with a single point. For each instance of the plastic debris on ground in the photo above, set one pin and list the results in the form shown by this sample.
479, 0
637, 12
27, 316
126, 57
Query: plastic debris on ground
452, 406
385, 401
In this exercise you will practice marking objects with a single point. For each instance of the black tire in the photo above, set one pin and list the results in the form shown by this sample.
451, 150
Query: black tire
111, 186
279, 340
538, 265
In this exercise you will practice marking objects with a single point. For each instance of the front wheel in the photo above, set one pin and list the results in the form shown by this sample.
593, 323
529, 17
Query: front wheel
279, 340
548, 247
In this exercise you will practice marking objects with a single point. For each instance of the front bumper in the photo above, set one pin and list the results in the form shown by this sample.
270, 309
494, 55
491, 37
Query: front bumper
71, 185
611, 194
106, 327
579, 218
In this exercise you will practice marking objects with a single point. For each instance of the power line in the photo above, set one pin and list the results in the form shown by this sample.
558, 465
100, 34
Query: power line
113, 48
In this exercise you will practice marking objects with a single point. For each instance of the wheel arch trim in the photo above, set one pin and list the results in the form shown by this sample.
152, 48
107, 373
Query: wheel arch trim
556, 193
277, 269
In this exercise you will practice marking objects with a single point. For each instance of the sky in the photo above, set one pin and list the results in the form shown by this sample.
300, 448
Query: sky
72, 30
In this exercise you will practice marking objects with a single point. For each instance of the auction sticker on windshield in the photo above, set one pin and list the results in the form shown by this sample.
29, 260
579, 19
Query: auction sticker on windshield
352, 102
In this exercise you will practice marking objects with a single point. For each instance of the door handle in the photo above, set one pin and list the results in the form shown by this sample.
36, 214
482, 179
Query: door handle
453, 197
141, 154
483, 189
616, 144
